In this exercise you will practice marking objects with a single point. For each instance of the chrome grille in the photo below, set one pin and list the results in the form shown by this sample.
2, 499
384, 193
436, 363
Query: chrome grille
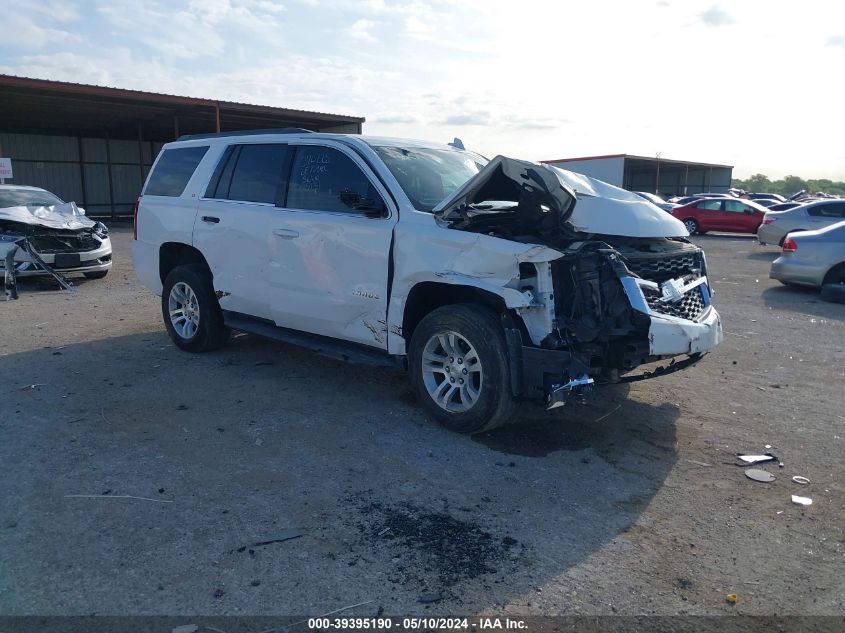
665, 267
690, 306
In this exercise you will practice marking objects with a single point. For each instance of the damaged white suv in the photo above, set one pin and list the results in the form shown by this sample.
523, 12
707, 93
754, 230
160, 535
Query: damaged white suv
493, 281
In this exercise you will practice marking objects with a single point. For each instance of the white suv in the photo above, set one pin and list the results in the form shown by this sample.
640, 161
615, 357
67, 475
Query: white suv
492, 281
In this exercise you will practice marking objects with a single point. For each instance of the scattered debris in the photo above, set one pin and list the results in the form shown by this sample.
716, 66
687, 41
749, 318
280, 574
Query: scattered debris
218, 593
608, 414
108, 496
798, 479
693, 461
732, 598
185, 628
285, 536
757, 459
34, 386
767, 446
428, 598
802, 501
758, 474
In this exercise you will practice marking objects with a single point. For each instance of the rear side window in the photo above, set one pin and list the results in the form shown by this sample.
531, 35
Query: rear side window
325, 179
173, 171
250, 173
709, 205
828, 210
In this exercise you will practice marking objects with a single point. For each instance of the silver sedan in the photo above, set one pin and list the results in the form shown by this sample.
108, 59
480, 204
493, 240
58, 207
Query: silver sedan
807, 217
812, 258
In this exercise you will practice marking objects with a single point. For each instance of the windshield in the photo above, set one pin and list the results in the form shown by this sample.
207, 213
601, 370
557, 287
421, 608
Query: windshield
650, 197
427, 176
27, 198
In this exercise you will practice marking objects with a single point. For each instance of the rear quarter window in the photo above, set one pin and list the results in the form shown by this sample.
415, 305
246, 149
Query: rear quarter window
173, 171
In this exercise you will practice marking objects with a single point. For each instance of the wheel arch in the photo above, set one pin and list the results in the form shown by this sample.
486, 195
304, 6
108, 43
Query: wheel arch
834, 270
173, 254
426, 296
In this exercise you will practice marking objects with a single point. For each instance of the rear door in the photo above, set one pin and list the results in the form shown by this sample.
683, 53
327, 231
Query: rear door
235, 222
709, 214
330, 247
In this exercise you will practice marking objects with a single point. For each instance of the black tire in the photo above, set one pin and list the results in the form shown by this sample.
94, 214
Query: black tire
835, 275
691, 223
833, 286
479, 326
96, 274
210, 332
834, 293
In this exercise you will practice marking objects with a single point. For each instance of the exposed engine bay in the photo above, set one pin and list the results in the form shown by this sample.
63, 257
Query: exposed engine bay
631, 292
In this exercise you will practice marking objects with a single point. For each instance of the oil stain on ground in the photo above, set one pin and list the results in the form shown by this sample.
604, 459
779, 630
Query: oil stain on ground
434, 549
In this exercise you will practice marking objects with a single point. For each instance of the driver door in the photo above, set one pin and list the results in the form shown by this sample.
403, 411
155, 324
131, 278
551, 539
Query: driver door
330, 247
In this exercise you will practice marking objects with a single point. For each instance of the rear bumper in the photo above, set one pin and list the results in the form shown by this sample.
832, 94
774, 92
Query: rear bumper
770, 234
793, 271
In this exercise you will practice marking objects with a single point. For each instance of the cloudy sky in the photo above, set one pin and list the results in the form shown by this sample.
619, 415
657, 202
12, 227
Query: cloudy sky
760, 85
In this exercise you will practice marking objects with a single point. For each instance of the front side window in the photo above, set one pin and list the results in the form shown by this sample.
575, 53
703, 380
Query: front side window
709, 205
325, 179
173, 170
735, 206
428, 176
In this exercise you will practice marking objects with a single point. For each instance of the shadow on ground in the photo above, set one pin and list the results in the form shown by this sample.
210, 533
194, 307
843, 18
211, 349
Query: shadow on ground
804, 300
273, 481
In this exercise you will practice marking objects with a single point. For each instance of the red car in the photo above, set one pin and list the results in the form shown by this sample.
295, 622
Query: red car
731, 215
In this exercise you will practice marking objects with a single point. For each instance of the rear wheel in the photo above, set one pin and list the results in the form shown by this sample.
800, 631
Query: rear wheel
460, 370
833, 286
691, 226
190, 310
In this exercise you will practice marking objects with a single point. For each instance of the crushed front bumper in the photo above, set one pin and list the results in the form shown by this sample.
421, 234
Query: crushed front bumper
95, 260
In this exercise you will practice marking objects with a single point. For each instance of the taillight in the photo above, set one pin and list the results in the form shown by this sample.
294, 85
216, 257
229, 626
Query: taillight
135, 220
768, 220
789, 245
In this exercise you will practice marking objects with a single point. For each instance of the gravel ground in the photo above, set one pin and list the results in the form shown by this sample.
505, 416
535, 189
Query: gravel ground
277, 482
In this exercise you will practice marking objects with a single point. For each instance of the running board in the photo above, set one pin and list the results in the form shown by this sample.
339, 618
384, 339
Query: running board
322, 345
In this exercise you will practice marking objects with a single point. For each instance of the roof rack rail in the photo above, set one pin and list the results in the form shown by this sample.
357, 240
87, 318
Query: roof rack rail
281, 130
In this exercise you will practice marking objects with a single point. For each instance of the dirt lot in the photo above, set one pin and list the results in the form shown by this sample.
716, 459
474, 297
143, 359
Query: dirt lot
285, 483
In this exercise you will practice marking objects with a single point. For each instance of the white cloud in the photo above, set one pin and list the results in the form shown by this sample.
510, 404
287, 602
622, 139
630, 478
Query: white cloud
360, 30
507, 81
716, 16
836, 40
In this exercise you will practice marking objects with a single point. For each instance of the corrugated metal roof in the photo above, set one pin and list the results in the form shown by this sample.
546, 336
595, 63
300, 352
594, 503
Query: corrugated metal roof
652, 159
125, 93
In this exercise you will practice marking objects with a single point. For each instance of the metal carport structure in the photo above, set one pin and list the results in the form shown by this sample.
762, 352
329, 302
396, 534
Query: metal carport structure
95, 144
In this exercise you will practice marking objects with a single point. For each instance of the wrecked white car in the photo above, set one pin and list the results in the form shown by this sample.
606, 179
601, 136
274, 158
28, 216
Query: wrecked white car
40, 234
492, 281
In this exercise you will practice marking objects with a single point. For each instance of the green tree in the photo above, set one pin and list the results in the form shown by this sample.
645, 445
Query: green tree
759, 183
793, 184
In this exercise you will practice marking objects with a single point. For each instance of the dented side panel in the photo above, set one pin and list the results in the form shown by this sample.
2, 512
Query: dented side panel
425, 251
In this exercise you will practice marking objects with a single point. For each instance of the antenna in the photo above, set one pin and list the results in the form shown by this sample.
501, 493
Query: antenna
457, 143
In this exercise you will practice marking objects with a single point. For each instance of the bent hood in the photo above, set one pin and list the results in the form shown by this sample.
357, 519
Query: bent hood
65, 216
587, 205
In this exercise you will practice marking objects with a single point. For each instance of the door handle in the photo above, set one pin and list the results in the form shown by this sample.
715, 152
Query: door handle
288, 234
210, 219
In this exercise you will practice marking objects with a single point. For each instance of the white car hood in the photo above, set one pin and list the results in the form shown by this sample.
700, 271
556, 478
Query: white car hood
65, 216
586, 204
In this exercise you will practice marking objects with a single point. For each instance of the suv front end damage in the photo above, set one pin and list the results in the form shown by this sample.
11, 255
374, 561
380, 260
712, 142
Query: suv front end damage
625, 288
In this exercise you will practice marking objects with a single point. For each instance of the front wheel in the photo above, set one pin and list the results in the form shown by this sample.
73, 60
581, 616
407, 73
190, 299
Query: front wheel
190, 310
460, 370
